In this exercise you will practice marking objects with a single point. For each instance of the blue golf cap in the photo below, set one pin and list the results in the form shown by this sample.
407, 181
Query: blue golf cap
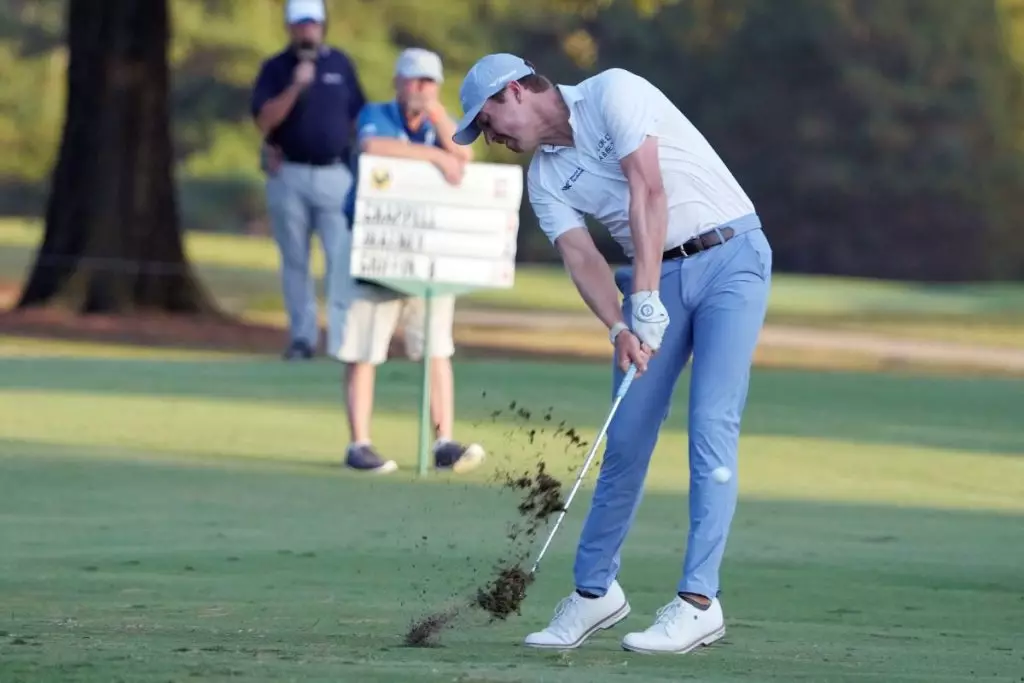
486, 78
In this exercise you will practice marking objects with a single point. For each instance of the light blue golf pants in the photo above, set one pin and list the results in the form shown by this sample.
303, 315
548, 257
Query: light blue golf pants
716, 302
302, 200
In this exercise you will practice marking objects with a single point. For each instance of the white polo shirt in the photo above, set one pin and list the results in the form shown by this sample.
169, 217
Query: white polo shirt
611, 114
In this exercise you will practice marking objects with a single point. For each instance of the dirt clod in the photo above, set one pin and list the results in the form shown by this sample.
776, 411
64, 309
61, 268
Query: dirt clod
424, 632
543, 496
506, 593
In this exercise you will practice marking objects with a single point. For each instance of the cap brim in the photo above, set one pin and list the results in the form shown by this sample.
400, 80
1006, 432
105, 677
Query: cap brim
423, 74
466, 132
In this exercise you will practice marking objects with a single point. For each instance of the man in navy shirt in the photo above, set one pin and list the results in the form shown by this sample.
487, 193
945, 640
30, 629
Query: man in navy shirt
364, 316
305, 102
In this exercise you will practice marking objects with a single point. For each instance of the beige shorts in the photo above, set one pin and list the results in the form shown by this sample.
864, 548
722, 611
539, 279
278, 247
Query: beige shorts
375, 314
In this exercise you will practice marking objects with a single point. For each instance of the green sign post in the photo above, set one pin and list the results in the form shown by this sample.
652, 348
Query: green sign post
428, 291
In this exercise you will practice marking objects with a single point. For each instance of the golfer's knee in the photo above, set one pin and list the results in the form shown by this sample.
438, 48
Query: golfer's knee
295, 260
714, 439
621, 475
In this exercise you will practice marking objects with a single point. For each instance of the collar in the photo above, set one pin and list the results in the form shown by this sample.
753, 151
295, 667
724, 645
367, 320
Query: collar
572, 96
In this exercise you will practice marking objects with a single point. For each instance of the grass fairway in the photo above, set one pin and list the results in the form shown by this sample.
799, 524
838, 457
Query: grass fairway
184, 519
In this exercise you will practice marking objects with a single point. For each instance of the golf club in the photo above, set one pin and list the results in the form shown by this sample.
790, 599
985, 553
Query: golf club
626, 381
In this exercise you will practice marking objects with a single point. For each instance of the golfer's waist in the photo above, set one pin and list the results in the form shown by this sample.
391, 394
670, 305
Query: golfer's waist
714, 237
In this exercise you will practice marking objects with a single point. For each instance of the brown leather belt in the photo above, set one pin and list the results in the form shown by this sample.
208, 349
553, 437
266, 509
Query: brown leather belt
699, 243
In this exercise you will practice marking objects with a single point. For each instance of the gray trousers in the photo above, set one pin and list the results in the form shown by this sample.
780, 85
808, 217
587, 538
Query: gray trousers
302, 200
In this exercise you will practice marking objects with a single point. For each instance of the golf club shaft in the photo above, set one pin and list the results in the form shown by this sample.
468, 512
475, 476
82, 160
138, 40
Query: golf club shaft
626, 381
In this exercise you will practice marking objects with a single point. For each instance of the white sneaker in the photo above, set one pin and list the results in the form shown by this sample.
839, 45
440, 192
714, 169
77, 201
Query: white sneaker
454, 456
577, 618
679, 628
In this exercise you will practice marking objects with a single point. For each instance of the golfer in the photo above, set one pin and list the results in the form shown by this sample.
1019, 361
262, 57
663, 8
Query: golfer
615, 148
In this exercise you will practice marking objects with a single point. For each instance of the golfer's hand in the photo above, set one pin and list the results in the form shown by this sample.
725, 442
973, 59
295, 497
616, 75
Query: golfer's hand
629, 351
650, 319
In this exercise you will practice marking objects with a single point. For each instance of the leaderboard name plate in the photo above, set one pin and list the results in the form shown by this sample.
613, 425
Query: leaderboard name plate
415, 230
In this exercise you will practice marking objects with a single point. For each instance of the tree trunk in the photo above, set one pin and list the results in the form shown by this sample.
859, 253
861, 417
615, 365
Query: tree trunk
113, 243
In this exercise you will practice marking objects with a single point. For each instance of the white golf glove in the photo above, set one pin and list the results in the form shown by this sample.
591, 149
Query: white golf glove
650, 319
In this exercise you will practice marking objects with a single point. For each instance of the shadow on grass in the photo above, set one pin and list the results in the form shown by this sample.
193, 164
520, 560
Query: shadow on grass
971, 414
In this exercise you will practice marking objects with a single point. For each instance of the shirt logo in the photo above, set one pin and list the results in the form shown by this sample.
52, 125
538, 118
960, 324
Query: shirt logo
572, 179
605, 146
333, 78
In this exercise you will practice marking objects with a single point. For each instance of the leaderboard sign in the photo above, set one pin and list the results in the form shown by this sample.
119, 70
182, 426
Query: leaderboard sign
412, 228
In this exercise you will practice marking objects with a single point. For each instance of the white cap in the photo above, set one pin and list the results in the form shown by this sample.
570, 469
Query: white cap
415, 62
305, 10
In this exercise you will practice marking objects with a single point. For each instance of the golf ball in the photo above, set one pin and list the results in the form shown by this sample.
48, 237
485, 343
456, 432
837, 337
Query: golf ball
721, 474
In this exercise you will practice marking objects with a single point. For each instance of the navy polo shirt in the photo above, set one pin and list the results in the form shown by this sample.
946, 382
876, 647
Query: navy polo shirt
318, 129
385, 120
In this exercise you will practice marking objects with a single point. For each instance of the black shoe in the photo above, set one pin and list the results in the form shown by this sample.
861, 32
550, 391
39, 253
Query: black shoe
298, 350
364, 458
451, 455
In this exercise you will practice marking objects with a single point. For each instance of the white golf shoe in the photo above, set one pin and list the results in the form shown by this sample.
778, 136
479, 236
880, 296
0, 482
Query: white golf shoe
577, 618
679, 628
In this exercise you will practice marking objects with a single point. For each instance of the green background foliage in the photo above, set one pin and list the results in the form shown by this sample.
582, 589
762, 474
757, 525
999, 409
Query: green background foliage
877, 137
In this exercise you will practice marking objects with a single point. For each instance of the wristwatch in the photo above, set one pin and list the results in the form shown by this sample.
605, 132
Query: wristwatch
616, 330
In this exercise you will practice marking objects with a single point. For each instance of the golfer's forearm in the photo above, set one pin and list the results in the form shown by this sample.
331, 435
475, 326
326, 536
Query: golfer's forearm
276, 110
596, 284
648, 222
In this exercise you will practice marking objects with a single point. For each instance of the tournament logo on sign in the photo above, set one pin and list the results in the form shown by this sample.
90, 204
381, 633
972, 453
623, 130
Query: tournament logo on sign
380, 178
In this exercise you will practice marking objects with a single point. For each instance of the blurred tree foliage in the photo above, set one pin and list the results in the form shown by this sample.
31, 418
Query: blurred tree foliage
877, 137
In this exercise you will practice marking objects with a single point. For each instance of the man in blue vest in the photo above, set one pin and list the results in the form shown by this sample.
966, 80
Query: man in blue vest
363, 316
305, 102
